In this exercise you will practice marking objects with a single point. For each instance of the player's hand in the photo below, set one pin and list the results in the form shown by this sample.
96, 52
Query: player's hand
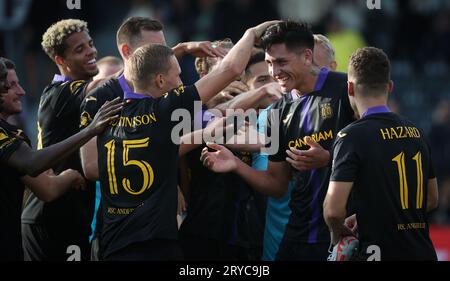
220, 161
259, 29
218, 99
306, 160
235, 88
352, 224
342, 232
204, 49
105, 115
77, 180
272, 91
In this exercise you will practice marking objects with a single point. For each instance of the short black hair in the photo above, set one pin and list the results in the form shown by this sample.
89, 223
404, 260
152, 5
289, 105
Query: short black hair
147, 61
130, 30
295, 35
371, 68
256, 57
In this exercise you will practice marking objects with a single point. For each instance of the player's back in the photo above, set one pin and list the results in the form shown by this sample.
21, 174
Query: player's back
390, 192
138, 169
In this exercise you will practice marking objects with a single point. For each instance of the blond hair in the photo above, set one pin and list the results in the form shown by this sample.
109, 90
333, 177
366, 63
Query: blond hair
323, 41
54, 39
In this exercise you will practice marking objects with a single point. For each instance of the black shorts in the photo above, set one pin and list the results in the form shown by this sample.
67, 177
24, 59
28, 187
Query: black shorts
43, 244
153, 250
300, 251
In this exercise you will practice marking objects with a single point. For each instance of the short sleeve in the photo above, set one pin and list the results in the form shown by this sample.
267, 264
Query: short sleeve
181, 97
69, 99
345, 160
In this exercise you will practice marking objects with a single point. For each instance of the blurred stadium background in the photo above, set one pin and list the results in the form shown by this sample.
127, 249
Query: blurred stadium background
414, 33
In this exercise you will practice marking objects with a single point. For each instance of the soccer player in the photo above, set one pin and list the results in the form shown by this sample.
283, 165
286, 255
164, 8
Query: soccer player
132, 34
50, 228
385, 162
307, 128
21, 166
278, 210
138, 160
225, 217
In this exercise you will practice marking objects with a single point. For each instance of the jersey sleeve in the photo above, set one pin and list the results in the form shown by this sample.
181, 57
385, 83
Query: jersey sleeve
88, 109
8, 145
69, 98
182, 97
345, 159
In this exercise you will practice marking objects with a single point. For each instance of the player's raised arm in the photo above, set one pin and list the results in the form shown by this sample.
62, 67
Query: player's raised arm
33, 162
232, 65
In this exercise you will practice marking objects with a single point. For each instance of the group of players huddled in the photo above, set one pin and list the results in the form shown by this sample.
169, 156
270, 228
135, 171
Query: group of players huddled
108, 178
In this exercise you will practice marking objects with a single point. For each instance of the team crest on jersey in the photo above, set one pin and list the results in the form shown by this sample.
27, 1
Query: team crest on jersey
326, 111
74, 85
85, 119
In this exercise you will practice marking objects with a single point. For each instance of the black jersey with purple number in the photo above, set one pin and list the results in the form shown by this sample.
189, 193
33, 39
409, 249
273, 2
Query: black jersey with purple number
138, 167
389, 162
11, 193
319, 114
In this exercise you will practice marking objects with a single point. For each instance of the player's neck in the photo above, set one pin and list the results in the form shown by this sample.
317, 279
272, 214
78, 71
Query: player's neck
147, 92
126, 74
73, 76
310, 81
364, 105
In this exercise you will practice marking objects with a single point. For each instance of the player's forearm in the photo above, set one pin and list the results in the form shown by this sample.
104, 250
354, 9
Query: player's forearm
261, 181
334, 218
247, 100
44, 159
179, 50
48, 188
89, 159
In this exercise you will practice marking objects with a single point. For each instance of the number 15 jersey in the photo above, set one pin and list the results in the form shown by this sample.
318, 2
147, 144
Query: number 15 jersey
138, 164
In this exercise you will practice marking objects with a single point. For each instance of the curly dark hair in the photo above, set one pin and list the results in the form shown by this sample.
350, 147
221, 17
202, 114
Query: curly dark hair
295, 35
371, 68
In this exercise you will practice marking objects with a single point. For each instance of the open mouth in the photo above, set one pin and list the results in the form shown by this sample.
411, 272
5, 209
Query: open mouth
282, 80
92, 62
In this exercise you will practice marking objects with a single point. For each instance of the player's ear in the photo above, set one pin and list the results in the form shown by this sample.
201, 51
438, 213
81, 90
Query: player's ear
333, 65
308, 56
125, 50
350, 89
390, 86
59, 60
159, 81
